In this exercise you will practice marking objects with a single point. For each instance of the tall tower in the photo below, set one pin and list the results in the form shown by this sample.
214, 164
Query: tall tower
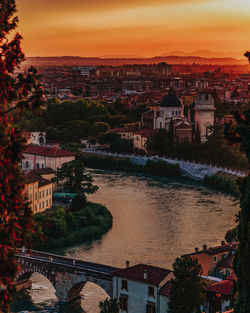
204, 114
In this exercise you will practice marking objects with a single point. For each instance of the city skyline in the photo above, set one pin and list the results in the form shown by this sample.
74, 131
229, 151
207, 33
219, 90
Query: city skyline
141, 28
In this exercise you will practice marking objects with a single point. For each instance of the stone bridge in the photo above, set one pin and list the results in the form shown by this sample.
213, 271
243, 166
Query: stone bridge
67, 275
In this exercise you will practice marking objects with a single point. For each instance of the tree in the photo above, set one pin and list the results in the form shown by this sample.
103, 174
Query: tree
109, 306
17, 94
186, 287
241, 134
77, 180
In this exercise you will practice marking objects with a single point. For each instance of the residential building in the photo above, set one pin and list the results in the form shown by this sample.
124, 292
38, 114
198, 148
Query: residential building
142, 288
209, 258
141, 136
220, 295
38, 192
35, 138
36, 157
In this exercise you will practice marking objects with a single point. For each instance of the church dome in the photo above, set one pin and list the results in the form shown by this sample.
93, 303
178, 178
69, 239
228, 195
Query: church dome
171, 100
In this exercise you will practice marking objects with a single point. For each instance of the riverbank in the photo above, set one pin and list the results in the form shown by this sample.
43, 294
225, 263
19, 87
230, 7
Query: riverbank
192, 170
64, 228
157, 168
224, 182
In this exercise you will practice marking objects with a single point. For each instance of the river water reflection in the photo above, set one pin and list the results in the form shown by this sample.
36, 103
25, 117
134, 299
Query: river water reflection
155, 220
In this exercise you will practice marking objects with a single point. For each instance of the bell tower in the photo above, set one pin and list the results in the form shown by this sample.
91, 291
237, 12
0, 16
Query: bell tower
204, 114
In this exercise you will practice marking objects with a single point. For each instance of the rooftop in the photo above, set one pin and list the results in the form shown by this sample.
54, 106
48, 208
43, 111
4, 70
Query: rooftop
47, 151
154, 275
171, 100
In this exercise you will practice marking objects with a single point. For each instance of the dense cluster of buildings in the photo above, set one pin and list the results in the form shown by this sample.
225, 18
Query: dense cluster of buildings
146, 288
39, 164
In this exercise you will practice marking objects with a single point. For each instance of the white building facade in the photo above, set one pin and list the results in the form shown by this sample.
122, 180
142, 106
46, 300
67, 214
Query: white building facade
142, 289
170, 107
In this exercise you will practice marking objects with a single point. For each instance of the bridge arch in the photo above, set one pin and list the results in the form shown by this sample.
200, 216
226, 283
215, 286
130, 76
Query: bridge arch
27, 272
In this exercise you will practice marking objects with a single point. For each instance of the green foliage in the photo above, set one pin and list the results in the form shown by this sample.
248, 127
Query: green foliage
223, 184
19, 92
215, 151
241, 134
186, 288
63, 228
77, 179
231, 235
159, 168
78, 202
109, 306
116, 143
71, 121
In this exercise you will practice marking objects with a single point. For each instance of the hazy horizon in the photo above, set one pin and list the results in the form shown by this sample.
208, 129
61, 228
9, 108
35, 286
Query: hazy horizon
145, 28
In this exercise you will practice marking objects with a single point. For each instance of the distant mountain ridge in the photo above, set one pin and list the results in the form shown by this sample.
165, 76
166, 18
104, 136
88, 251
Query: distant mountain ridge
96, 61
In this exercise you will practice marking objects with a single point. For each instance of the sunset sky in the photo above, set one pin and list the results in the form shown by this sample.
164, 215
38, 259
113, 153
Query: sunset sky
133, 27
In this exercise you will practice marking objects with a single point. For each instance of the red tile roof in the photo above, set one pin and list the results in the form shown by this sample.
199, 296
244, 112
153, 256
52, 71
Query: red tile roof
146, 132
218, 249
154, 274
165, 289
226, 262
44, 171
224, 287
43, 182
30, 177
123, 130
47, 151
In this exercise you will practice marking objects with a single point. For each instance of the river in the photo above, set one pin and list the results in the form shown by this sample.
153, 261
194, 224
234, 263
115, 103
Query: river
155, 221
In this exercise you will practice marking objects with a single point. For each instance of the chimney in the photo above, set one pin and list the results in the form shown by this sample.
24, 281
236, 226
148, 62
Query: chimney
145, 274
204, 247
127, 264
196, 249
223, 243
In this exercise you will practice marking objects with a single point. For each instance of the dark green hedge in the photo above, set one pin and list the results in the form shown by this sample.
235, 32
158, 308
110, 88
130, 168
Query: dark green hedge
158, 168
223, 184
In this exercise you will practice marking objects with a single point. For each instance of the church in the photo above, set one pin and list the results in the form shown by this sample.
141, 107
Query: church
171, 108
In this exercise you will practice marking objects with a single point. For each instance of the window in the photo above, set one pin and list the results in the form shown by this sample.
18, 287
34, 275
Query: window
37, 165
47, 204
124, 303
43, 204
43, 193
30, 197
47, 192
35, 195
39, 194
124, 284
206, 97
35, 207
151, 291
150, 307
27, 164
40, 206
227, 272
172, 113
50, 191
215, 258
42, 166
223, 255
175, 112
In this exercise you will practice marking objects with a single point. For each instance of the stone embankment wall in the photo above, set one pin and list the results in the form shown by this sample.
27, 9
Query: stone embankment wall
191, 170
